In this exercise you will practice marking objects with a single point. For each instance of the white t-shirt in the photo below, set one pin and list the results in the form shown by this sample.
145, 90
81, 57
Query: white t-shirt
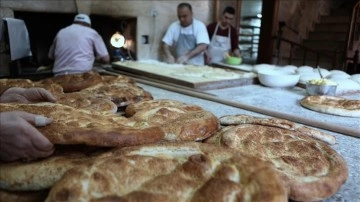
74, 49
197, 28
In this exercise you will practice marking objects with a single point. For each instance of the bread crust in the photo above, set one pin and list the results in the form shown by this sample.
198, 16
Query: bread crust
311, 170
151, 104
86, 101
74, 82
76, 126
122, 94
280, 123
171, 172
332, 105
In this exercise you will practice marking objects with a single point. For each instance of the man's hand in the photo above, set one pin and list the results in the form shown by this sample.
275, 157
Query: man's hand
170, 59
27, 95
182, 60
19, 139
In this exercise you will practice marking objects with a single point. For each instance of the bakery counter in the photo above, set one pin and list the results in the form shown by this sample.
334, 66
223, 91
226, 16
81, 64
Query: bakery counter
285, 102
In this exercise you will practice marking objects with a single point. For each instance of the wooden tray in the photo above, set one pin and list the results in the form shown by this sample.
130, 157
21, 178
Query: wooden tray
163, 72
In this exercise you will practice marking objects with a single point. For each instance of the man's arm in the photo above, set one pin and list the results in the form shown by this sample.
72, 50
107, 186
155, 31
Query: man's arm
105, 59
237, 53
199, 48
169, 58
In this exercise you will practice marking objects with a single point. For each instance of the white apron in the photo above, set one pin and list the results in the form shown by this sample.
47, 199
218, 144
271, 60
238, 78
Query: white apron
219, 46
186, 43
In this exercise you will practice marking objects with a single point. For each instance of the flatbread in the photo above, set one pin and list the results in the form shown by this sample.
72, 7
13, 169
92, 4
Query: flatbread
81, 100
41, 174
77, 126
75, 82
180, 121
332, 105
122, 94
280, 123
55, 89
150, 104
311, 170
171, 172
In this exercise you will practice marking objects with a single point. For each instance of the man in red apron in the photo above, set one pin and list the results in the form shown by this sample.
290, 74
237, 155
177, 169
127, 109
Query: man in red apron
188, 36
224, 38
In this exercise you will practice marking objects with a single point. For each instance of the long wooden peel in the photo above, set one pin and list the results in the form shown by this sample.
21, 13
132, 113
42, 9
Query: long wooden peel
314, 123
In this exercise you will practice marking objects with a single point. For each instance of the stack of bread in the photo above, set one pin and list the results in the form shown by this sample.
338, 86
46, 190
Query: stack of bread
166, 150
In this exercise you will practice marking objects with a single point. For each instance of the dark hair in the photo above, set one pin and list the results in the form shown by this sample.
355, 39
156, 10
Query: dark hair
184, 5
229, 10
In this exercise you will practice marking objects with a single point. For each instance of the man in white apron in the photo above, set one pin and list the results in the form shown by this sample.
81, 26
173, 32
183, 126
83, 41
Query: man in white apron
224, 38
188, 35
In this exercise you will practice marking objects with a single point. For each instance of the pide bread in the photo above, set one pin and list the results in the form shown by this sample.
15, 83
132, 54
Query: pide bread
55, 89
86, 101
171, 172
332, 105
310, 169
43, 173
122, 94
280, 123
75, 82
131, 109
179, 121
77, 126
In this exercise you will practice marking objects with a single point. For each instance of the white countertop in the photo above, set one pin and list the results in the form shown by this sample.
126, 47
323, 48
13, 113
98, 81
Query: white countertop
284, 101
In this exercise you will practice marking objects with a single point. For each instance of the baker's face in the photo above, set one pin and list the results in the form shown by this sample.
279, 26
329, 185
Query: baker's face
227, 19
185, 16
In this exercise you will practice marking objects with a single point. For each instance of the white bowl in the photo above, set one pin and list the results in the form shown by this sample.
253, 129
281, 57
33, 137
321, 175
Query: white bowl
278, 79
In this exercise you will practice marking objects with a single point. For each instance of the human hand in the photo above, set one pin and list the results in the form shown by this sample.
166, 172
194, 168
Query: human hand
170, 59
19, 139
27, 95
182, 60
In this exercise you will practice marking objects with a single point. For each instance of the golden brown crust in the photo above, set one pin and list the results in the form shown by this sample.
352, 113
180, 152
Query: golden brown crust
280, 123
122, 94
150, 104
171, 172
109, 79
311, 169
332, 105
76, 126
86, 101
75, 82
179, 121
26, 83
43, 173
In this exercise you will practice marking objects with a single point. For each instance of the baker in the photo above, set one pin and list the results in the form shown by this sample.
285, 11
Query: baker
223, 38
188, 36
76, 47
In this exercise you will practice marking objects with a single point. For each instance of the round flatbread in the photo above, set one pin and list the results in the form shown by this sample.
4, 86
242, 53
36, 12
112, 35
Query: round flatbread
311, 170
171, 172
77, 126
332, 105
74, 82
122, 94
81, 100
150, 104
